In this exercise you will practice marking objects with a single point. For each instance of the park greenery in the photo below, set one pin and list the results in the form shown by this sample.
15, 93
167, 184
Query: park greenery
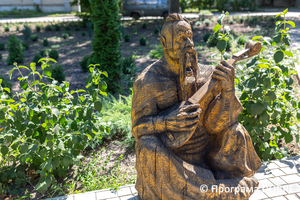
46, 128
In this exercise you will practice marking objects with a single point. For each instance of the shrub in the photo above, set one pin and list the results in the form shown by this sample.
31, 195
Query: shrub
84, 63
241, 40
129, 71
220, 4
56, 27
77, 28
34, 37
17, 27
156, 31
15, 50
198, 23
83, 34
212, 40
45, 42
0, 56
48, 28
242, 19
58, 73
89, 26
48, 138
157, 52
106, 44
2, 46
53, 54
143, 41
68, 28
206, 36
144, 26
231, 21
127, 38
6, 29
207, 22
26, 32
36, 58
25, 45
271, 107
43, 53
38, 28
65, 35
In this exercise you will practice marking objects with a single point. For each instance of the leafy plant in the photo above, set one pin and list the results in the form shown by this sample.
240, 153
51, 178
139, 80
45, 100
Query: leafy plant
6, 28
242, 19
53, 54
241, 40
157, 52
67, 28
48, 28
0, 56
45, 42
84, 63
198, 23
129, 71
5, 83
223, 37
65, 35
25, 45
43, 52
271, 110
2, 46
77, 28
26, 32
36, 59
106, 43
15, 50
56, 27
34, 37
58, 73
127, 38
144, 26
143, 41
38, 28
45, 128
156, 31
83, 34
206, 36
207, 22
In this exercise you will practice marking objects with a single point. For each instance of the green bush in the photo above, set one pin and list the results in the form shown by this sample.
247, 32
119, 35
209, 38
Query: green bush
77, 28
272, 111
231, 21
143, 41
34, 37
83, 34
84, 63
220, 4
242, 19
49, 130
36, 59
157, 52
206, 36
45, 42
15, 50
43, 52
53, 54
6, 29
144, 26
25, 45
68, 28
198, 23
48, 28
26, 32
65, 35
17, 27
212, 40
129, 71
0, 56
56, 27
38, 28
207, 22
127, 38
241, 40
156, 31
106, 43
58, 73
2, 46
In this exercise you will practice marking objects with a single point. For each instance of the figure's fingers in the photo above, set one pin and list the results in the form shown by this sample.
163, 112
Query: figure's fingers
185, 115
222, 68
226, 64
190, 108
219, 77
190, 127
219, 72
188, 122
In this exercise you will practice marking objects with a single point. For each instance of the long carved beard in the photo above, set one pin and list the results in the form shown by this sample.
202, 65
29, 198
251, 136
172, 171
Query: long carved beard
188, 71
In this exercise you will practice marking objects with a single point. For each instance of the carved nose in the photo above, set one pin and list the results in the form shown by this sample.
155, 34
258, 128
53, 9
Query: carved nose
189, 43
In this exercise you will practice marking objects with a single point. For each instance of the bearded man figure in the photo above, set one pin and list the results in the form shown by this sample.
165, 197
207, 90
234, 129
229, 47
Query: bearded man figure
218, 151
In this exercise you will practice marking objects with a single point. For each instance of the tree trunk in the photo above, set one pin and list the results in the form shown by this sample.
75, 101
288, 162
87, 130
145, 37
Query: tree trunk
173, 6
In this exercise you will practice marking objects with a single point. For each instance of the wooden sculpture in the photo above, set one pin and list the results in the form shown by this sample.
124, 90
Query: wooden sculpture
189, 144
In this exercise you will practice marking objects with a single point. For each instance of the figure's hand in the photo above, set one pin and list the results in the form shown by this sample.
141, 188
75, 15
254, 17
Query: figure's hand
185, 118
225, 73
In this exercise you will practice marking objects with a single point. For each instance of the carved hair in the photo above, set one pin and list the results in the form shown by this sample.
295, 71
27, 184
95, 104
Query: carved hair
176, 17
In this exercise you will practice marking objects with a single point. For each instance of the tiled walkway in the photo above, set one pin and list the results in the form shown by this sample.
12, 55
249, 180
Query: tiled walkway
278, 180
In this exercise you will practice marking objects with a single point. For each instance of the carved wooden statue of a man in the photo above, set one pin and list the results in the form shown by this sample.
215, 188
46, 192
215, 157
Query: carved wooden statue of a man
218, 152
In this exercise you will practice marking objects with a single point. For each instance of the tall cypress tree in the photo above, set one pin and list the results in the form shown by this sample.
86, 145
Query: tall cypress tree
106, 44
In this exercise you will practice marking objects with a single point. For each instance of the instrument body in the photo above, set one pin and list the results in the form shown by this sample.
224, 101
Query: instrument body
204, 96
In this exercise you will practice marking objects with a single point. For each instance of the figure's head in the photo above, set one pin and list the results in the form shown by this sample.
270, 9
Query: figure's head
176, 35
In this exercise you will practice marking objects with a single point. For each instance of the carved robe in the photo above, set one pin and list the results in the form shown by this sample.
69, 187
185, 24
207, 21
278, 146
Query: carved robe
218, 151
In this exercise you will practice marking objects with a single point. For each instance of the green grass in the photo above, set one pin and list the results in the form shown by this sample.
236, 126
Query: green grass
157, 52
